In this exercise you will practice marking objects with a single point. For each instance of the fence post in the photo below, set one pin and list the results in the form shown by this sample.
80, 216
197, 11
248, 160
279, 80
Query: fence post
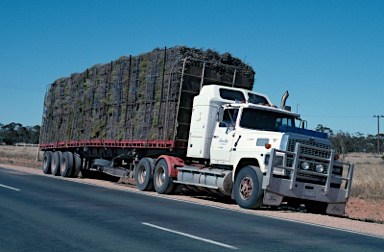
38, 154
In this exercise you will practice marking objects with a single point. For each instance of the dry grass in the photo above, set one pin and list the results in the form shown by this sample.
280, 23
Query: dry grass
18, 155
368, 179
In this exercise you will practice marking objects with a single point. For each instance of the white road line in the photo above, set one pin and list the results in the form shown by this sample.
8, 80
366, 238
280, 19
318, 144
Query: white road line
190, 236
9, 187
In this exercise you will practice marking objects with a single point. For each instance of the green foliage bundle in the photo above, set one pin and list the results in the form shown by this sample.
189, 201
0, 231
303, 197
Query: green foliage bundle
146, 97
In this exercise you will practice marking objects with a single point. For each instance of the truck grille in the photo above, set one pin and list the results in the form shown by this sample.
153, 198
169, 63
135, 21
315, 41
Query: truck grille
317, 153
324, 153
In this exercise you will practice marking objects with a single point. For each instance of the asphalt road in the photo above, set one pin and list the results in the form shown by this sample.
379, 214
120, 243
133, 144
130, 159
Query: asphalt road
43, 213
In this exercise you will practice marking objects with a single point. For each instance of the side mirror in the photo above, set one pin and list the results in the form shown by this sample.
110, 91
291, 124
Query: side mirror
304, 124
220, 114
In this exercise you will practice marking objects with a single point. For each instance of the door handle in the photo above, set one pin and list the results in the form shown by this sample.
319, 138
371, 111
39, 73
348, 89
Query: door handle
237, 141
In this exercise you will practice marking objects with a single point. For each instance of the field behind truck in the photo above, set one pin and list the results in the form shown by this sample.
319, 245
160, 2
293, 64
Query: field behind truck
20, 155
367, 195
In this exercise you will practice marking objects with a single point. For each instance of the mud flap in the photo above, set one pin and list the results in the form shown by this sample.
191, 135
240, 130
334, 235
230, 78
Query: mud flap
272, 199
336, 209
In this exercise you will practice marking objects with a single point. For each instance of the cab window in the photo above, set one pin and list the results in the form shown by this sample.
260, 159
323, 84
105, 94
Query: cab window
229, 118
232, 95
257, 99
265, 120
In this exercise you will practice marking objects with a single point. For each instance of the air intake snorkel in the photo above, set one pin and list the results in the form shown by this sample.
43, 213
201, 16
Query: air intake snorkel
283, 100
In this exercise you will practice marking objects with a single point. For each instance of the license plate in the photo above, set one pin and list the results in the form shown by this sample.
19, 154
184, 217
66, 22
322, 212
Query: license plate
309, 193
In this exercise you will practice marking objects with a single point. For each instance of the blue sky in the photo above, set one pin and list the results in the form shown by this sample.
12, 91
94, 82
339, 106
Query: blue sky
329, 55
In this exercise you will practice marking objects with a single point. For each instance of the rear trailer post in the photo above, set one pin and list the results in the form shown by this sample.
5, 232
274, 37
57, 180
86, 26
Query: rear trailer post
38, 155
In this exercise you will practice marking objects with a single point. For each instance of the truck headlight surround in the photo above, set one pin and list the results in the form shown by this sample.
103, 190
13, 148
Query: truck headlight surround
320, 168
304, 165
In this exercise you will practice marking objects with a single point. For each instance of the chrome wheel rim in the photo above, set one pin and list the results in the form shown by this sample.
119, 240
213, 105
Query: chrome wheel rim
161, 176
142, 175
246, 188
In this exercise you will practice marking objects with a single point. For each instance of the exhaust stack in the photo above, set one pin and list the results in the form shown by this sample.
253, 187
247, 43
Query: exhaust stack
284, 99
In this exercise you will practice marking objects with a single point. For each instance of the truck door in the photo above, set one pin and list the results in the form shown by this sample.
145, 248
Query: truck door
223, 137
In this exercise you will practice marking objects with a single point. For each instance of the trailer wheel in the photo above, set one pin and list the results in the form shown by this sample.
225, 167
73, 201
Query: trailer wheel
143, 174
47, 162
161, 180
55, 163
247, 189
76, 165
66, 164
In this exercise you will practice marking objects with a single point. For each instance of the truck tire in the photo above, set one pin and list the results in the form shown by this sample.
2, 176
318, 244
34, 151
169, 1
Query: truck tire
66, 164
76, 165
55, 163
162, 182
143, 174
46, 166
247, 189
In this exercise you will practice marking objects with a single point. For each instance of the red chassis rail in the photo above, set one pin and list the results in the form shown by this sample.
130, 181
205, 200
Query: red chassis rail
156, 144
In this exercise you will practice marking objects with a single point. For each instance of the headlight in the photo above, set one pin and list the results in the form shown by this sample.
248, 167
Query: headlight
319, 168
305, 165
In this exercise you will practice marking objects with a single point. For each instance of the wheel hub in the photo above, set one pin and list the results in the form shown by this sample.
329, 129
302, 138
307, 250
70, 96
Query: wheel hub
142, 175
161, 176
246, 188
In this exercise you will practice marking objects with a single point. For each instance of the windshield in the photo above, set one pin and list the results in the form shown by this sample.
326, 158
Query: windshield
265, 120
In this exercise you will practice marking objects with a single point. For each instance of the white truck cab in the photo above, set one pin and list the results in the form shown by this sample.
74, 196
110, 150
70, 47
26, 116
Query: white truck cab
242, 135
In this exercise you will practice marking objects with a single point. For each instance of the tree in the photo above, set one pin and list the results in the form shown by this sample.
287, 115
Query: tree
344, 142
322, 128
35, 134
16, 133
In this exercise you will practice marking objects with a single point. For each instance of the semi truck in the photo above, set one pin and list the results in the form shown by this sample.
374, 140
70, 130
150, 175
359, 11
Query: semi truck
183, 118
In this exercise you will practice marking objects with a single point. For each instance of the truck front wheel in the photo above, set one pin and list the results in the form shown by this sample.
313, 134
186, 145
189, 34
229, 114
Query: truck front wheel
143, 174
247, 189
161, 180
